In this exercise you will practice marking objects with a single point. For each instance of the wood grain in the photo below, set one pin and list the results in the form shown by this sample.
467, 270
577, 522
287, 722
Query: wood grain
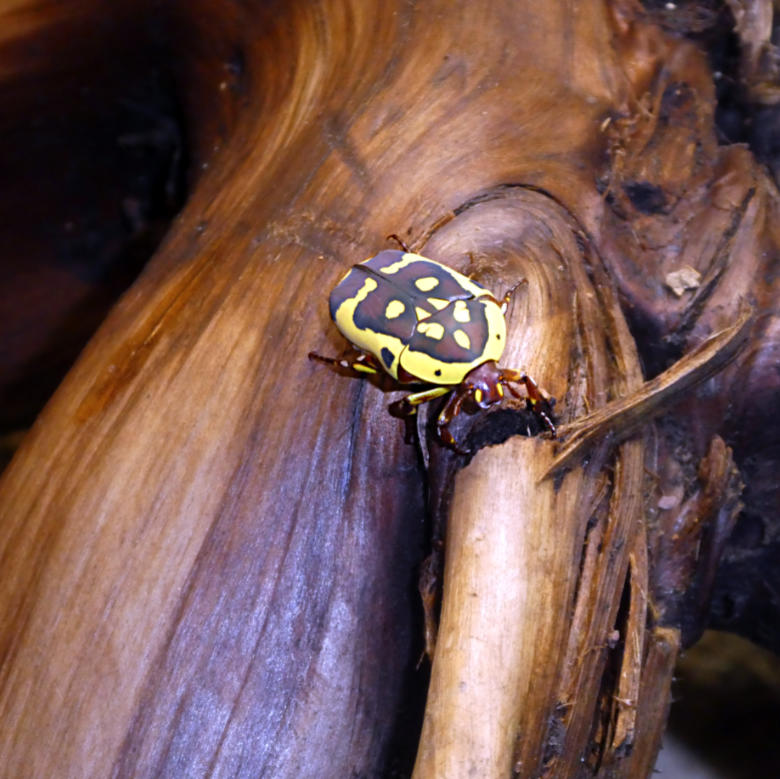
209, 545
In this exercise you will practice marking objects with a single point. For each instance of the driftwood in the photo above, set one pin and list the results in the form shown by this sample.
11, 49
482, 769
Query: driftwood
210, 546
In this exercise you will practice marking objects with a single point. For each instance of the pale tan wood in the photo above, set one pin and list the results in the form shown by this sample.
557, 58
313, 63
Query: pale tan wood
501, 633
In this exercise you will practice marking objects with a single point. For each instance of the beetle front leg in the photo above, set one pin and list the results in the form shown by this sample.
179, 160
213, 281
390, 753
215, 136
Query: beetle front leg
539, 401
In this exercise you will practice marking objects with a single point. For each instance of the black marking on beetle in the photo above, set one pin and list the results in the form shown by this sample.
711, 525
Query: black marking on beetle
387, 357
370, 314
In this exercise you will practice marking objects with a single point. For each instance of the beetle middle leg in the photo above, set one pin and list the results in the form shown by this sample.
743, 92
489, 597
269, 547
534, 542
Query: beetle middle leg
407, 406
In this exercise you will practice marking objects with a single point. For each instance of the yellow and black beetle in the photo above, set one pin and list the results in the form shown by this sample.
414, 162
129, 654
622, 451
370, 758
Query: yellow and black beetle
422, 323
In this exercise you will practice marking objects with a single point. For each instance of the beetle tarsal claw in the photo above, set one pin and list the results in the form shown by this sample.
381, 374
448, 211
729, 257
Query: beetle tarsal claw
449, 440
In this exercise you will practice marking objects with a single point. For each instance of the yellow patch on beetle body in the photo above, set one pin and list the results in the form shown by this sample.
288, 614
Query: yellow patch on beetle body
438, 303
426, 283
369, 285
421, 313
394, 309
494, 346
461, 312
433, 330
462, 339
406, 259
365, 337
345, 314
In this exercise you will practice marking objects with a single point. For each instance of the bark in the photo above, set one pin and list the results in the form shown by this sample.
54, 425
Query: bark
210, 545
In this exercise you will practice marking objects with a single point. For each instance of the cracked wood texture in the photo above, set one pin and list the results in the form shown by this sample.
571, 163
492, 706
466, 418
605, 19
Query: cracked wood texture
209, 545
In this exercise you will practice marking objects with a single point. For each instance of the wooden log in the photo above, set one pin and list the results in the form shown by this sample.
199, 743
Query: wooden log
209, 544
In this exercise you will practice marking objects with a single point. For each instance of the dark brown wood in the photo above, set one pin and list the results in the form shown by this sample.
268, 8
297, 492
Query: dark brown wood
210, 544
92, 158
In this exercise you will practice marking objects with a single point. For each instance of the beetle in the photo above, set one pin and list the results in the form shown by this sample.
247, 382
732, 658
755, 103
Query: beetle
420, 322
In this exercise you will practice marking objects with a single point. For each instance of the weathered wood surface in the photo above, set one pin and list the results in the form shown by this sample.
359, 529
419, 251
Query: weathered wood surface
209, 545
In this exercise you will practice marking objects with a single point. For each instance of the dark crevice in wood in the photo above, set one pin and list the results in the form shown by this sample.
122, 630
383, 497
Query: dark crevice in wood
95, 168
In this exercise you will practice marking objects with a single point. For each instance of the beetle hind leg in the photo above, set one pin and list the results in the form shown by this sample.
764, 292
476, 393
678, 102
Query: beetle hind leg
406, 408
353, 361
399, 241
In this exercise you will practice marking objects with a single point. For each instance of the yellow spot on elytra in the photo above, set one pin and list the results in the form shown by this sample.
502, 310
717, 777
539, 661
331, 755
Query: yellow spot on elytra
406, 259
394, 309
426, 283
433, 330
438, 303
421, 313
478, 395
462, 339
461, 312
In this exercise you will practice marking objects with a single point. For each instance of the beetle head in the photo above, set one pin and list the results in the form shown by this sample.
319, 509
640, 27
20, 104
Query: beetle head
482, 386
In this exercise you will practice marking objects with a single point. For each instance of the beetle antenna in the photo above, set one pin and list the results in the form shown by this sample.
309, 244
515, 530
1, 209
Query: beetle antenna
508, 295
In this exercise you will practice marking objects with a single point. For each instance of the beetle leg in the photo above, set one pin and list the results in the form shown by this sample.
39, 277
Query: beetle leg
395, 238
355, 362
429, 586
539, 401
448, 413
407, 406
